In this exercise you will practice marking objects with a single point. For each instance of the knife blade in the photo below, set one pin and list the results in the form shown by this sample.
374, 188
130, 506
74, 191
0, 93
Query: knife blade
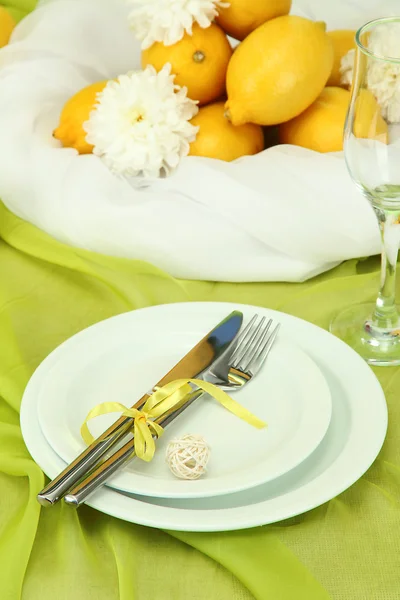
193, 364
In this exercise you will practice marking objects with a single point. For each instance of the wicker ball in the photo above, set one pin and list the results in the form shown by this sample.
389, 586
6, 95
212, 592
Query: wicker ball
188, 456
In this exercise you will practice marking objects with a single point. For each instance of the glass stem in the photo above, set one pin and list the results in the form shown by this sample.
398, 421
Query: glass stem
386, 315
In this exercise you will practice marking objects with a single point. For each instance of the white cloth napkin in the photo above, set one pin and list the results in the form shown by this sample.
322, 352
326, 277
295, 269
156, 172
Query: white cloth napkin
283, 215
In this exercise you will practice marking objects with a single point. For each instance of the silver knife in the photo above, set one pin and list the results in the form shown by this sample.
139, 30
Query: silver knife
196, 361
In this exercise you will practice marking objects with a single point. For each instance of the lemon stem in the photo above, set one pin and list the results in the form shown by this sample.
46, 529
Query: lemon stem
199, 56
227, 114
321, 24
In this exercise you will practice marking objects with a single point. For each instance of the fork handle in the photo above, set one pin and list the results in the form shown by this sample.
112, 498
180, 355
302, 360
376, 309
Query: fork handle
100, 474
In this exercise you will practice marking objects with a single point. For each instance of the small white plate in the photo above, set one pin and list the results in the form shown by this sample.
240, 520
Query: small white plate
119, 359
354, 438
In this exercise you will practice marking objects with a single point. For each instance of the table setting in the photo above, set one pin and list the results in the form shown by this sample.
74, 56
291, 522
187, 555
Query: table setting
200, 340
291, 475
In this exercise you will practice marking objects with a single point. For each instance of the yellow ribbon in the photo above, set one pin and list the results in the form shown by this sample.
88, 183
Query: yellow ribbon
171, 396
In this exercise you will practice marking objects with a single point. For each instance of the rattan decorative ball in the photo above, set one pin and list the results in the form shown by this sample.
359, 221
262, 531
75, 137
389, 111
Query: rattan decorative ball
188, 456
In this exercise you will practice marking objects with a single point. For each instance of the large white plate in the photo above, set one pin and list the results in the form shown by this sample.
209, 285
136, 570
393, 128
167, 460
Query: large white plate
119, 359
354, 438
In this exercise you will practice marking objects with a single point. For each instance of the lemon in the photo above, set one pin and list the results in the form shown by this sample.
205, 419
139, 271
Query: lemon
199, 62
7, 25
218, 138
241, 17
278, 71
368, 121
343, 40
320, 126
76, 111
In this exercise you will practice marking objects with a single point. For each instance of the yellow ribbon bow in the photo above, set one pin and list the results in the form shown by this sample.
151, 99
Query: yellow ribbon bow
171, 396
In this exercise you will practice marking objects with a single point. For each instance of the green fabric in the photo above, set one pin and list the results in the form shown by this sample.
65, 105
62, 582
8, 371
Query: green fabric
349, 548
19, 8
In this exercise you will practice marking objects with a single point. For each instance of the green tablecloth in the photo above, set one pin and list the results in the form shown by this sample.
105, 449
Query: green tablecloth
347, 549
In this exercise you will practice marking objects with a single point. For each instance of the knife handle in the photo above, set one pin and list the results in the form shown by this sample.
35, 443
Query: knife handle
100, 474
74, 472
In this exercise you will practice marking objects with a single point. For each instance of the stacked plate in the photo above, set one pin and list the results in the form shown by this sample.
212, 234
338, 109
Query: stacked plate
325, 410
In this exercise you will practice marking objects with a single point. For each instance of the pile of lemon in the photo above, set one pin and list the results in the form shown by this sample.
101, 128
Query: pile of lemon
284, 74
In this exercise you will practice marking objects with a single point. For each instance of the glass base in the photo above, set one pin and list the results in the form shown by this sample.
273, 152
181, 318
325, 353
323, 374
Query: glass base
379, 347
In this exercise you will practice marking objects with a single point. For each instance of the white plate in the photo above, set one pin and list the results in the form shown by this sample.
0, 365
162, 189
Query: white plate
354, 438
119, 359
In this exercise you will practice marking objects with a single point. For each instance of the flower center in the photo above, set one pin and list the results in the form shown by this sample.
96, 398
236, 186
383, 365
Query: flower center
137, 116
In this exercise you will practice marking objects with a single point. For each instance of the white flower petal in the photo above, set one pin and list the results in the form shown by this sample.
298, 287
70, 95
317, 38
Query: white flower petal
167, 20
140, 125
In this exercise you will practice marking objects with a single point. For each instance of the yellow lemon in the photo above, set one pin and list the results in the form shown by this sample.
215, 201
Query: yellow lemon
218, 138
74, 114
278, 71
199, 62
368, 121
7, 25
343, 41
320, 126
241, 17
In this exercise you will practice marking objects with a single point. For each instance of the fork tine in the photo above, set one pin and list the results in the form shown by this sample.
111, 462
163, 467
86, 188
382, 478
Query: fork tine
246, 345
259, 360
242, 338
257, 346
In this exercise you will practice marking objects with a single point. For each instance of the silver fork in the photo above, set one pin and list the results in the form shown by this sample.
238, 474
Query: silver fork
246, 358
230, 372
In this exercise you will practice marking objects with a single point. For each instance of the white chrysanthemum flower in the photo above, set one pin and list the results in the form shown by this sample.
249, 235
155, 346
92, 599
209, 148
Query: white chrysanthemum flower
167, 21
383, 77
140, 124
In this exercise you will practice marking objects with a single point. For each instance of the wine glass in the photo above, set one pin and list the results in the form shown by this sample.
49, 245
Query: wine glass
372, 153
